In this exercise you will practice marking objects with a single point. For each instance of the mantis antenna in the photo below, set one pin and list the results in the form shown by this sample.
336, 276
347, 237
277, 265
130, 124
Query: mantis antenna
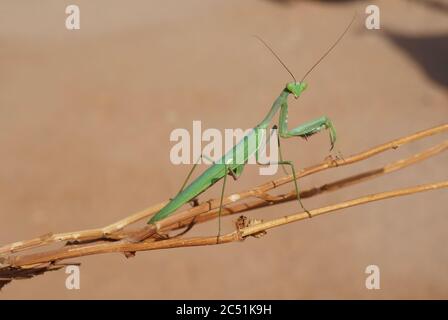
330, 49
276, 55
317, 62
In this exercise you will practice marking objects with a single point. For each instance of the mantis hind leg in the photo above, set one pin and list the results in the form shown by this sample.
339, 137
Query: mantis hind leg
195, 201
191, 172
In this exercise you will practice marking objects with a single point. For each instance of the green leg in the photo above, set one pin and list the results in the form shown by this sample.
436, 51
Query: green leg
307, 129
235, 173
194, 202
282, 163
280, 154
274, 127
191, 172
296, 185
220, 203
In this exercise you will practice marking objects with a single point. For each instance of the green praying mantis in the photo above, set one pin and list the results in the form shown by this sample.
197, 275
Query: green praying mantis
227, 166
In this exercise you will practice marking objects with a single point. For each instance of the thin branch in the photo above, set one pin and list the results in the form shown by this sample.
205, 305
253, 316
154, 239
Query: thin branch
150, 230
345, 182
120, 246
343, 205
108, 232
114, 237
84, 235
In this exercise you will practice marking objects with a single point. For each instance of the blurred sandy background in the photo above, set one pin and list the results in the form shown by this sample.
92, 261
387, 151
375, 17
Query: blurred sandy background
85, 119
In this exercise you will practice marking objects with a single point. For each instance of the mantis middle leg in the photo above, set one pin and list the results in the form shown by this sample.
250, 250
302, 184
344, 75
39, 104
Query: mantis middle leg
282, 163
235, 173
294, 177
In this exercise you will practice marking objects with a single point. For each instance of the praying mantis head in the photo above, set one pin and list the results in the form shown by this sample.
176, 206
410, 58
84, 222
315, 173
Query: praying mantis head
296, 88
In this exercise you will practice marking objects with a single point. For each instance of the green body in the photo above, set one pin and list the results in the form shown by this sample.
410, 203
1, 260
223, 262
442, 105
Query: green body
242, 151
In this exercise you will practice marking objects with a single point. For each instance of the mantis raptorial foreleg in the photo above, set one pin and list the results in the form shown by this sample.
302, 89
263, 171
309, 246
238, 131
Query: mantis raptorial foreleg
307, 129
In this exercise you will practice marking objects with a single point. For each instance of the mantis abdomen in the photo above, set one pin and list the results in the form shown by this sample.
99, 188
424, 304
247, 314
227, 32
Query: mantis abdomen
234, 161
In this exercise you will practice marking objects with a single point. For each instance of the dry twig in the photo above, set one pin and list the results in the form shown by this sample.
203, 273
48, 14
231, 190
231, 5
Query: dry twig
113, 238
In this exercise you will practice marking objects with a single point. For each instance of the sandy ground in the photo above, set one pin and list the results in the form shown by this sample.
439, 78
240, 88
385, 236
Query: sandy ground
86, 115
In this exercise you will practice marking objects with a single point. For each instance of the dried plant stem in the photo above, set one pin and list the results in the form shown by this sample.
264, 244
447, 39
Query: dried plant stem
346, 204
120, 246
84, 235
108, 232
261, 190
345, 182
114, 237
